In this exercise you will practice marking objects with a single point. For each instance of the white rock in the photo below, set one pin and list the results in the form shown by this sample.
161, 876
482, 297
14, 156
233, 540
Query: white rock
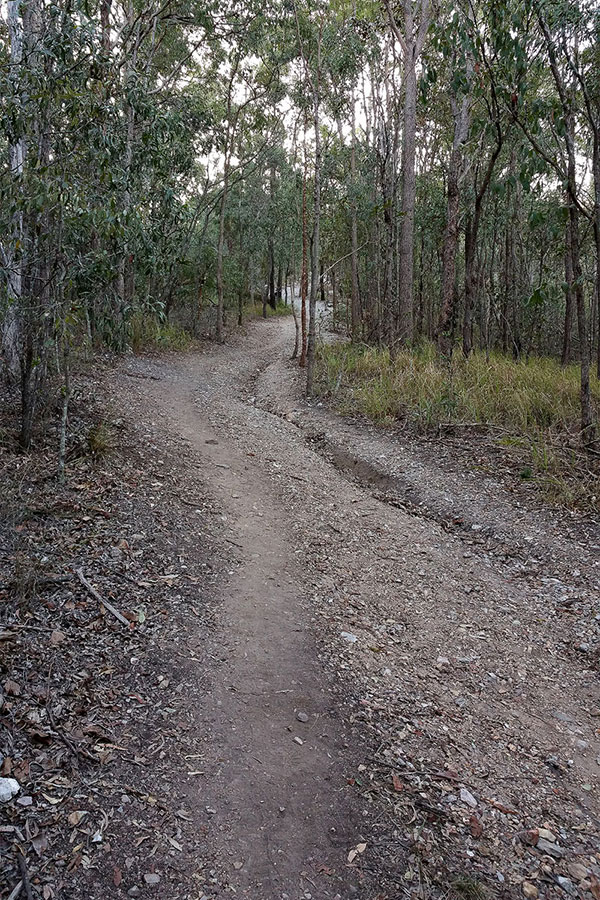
468, 798
348, 636
9, 788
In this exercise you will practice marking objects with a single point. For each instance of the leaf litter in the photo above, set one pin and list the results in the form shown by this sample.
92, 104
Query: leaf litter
104, 602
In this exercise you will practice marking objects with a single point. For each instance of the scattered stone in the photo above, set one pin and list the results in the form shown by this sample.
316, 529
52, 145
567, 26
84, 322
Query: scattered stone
134, 891
348, 636
302, 717
566, 884
529, 890
11, 688
9, 788
152, 878
468, 798
238, 864
530, 837
25, 801
298, 740
578, 871
547, 835
548, 847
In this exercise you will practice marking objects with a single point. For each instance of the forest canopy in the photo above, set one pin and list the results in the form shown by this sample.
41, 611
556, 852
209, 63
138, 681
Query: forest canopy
431, 169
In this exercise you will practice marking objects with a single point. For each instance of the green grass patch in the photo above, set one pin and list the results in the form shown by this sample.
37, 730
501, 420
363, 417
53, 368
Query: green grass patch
256, 310
532, 408
148, 332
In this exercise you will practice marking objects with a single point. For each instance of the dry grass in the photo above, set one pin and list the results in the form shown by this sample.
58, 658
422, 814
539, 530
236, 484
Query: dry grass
256, 310
147, 332
531, 407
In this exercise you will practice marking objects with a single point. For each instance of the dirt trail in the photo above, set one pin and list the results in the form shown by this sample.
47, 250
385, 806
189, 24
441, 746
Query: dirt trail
280, 753
457, 659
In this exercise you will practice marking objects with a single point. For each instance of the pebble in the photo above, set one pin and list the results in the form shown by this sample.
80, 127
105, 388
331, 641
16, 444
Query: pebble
302, 717
566, 884
578, 871
151, 878
529, 890
9, 788
551, 849
348, 636
468, 798
298, 740
133, 891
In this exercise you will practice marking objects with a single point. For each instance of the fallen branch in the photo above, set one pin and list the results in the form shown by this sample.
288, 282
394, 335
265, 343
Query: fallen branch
92, 590
68, 744
15, 891
25, 876
195, 504
145, 376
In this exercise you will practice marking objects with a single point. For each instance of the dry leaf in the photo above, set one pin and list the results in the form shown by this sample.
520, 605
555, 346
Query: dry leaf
397, 782
75, 818
475, 826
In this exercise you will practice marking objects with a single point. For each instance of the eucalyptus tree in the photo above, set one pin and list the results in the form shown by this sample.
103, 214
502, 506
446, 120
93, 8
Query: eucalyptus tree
411, 34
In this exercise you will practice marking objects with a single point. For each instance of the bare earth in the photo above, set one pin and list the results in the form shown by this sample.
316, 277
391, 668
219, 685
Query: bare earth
403, 695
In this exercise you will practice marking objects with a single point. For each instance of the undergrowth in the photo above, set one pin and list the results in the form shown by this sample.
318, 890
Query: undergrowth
148, 332
256, 310
532, 408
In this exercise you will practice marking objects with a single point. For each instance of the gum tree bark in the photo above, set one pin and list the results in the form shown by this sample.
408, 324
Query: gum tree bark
412, 42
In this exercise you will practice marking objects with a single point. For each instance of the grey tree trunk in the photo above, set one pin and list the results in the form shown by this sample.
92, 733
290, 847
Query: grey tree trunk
355, 297
597, 235
316, 243
408, 192
220, 251
412, 42
11, 254
566, 348
447, 313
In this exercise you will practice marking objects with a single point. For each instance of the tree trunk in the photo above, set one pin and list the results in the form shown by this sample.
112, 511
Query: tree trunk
315, 244
597, 235
13, 261
471, 248
451, 233
304, 273
220, 251
408, 189
354, 301
566, 348
334, 297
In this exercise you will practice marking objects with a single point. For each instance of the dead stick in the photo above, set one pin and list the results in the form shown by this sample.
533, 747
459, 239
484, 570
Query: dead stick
25, 876
96, 595
15, 891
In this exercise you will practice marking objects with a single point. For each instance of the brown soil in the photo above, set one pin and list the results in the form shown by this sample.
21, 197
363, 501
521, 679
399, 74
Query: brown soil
400, 687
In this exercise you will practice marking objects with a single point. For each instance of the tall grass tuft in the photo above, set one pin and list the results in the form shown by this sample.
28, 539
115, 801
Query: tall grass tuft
147, 332
532, 406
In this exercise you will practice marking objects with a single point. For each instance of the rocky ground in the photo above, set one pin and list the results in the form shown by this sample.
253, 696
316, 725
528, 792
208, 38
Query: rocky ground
354, 665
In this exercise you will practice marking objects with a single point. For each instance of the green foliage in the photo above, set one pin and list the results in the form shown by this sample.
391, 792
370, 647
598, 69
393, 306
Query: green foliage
148, 332
531, 407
